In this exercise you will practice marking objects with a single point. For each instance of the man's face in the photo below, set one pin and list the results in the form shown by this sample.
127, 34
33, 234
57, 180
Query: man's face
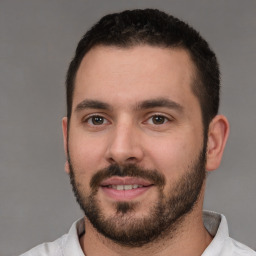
134, 112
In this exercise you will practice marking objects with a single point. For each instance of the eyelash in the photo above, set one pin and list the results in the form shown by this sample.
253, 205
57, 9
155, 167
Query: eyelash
161, 116
89, 119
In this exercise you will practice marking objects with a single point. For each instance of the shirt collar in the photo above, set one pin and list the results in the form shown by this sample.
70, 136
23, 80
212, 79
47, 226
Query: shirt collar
216, 224
72, 246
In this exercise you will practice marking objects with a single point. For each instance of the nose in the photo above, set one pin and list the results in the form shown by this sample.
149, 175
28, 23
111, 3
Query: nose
124, 145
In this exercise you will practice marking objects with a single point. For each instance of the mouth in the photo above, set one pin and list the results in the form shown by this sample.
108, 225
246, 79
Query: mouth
125, 188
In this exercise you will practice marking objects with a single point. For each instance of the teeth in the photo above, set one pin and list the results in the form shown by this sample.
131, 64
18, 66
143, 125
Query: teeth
120, 187
125, 187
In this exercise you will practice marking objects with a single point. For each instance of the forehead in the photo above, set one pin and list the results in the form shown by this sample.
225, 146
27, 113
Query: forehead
126, 75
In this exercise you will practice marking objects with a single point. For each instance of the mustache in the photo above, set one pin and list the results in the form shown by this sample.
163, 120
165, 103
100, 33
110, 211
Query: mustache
130, 170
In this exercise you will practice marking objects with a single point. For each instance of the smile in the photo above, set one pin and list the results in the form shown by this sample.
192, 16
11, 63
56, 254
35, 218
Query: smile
124, 187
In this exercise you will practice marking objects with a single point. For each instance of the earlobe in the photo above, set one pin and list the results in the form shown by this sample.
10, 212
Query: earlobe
67, 170
217, 137
65, 140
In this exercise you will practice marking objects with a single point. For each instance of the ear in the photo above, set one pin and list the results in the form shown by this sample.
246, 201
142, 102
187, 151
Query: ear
65, 141
217, 137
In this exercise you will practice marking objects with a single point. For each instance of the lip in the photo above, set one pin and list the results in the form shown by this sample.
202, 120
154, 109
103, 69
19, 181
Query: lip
125, 195
126, 181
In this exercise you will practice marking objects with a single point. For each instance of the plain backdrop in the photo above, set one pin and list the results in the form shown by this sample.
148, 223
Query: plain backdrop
37, 41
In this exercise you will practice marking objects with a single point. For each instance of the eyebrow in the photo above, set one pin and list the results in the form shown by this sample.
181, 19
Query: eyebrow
147, 104
159, 102
92, 104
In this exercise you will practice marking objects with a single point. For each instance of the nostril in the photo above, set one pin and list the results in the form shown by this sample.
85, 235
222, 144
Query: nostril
131, 159
123, 161
111, 161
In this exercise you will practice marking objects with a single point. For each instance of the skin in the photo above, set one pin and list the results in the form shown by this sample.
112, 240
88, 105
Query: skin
123, 79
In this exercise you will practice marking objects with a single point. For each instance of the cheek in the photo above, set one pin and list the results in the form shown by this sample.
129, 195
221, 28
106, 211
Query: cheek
86, 155
172, 156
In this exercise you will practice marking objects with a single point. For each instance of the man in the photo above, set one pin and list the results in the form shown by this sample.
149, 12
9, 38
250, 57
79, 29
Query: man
142, 129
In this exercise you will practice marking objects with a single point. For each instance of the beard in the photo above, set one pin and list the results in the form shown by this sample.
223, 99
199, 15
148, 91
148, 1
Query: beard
164, 216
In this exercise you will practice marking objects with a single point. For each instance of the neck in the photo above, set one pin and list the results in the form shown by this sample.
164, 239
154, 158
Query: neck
191, 238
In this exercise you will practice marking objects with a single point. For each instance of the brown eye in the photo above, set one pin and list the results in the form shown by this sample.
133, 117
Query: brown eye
157, 119
96, 120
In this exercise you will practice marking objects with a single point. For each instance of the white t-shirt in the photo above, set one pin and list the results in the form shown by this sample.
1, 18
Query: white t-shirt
216, 224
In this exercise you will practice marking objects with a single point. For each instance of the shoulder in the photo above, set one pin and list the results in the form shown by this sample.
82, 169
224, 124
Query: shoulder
235, 248
66, 245
48, 249
222, 244
228, 247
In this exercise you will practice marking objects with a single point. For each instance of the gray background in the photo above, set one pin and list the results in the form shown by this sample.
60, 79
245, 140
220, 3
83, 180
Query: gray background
38, 39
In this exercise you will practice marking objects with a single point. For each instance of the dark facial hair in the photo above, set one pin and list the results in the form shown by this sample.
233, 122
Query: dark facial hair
164, 216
